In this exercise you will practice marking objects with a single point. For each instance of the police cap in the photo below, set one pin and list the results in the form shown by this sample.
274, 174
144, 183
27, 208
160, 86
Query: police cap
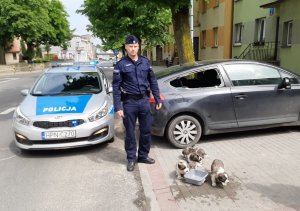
131, 39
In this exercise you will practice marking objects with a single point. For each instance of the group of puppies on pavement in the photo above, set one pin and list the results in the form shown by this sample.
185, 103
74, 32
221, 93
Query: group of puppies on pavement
193, 159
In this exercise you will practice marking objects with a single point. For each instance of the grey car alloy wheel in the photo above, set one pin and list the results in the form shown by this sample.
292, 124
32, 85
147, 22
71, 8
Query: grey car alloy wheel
184, 131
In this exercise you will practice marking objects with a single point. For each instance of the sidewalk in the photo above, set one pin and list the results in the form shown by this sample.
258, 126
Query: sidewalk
263, 167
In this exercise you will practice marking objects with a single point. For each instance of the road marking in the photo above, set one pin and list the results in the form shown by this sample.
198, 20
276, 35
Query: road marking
7, 111
3, 159
7, 80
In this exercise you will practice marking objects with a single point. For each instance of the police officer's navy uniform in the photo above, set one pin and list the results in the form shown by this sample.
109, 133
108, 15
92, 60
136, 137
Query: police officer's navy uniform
131, 81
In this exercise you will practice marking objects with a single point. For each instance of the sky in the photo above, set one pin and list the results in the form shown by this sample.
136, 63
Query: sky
77, 21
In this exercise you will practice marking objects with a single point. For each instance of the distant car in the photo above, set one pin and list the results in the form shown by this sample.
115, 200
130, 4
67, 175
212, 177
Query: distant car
223, 96
68, 106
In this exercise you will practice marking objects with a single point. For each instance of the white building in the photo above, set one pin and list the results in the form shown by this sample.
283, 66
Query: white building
80, 48
13, 54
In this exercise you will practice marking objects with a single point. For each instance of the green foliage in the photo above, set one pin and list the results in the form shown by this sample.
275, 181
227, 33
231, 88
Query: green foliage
148, 22
47, 48
38, 52
23, 47
41, 60
36, 21
60, 31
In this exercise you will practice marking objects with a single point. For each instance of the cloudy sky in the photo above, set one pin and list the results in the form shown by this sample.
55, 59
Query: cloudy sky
77, 21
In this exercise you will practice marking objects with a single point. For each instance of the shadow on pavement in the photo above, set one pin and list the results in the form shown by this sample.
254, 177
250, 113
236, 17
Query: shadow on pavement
284, 194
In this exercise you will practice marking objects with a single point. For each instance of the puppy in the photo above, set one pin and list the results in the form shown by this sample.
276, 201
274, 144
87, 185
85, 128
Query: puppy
218, 173
200, 152
194, 160
186, 151
182, 167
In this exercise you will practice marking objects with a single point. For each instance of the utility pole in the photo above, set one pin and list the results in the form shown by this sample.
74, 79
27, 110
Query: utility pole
192, 21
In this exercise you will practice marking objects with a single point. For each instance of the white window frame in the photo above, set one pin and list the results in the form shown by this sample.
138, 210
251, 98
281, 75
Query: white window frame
217, 3
260, 29
289, 33
238, 33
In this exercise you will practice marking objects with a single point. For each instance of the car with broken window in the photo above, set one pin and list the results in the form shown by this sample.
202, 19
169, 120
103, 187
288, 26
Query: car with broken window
70, 105
220, 96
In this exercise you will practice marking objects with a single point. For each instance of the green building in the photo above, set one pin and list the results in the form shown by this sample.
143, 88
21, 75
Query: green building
268, 31
289, 33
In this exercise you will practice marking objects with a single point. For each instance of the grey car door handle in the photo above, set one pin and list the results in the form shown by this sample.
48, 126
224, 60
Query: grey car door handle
240, 97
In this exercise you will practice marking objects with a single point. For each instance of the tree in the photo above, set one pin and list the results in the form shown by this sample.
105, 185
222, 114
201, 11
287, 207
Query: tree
36, 21
6, 33
146, 22
60, 31
180, 20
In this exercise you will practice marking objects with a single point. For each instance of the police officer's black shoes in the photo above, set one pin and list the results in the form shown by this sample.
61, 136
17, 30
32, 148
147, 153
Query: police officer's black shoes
148, 160
130, 166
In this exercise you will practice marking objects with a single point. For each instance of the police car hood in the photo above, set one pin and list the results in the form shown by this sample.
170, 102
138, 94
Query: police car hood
41, 106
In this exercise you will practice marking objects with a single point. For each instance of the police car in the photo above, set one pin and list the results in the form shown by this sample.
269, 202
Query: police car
68, 106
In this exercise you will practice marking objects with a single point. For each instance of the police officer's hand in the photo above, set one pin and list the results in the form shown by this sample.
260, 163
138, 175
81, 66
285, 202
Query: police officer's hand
158, 106
120, 113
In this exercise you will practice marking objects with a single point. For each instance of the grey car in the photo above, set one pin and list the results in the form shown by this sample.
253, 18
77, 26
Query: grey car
68, 106
224, 96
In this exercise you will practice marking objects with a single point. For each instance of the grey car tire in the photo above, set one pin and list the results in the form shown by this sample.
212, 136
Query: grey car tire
184, 131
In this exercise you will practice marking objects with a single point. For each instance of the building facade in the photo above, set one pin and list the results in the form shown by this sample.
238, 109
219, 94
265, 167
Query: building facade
289, 33
255, 31
213, 24
80, 48
12, 56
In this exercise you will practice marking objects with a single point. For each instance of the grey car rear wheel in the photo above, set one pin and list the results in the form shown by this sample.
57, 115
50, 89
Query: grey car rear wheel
184, 131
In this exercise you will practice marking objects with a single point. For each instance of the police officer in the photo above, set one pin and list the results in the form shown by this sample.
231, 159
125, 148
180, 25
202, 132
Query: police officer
132, 79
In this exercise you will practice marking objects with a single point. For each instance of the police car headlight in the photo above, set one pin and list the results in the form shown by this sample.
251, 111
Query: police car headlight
100, 113
20, 118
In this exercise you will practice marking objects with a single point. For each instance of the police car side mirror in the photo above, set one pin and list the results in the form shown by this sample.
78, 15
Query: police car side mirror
24, 92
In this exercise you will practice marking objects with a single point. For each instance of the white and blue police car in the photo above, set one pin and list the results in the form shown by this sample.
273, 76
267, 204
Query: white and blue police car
68, 106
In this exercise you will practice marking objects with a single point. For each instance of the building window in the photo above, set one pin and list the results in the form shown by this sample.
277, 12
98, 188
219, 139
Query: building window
238, 33
204, 6
14, 56
260, 29
216, 3
287, 34
203, 39
216, 37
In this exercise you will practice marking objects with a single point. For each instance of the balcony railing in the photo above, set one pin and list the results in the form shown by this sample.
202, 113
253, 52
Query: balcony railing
260, 51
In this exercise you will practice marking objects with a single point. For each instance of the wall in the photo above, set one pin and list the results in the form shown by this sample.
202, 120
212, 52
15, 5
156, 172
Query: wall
289, 56
246, 12
216, 16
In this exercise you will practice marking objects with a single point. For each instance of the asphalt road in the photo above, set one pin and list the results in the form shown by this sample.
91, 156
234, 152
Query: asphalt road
263, 168
90, 178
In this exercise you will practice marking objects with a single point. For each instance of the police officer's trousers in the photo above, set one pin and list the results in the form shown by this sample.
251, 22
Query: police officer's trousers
133, 110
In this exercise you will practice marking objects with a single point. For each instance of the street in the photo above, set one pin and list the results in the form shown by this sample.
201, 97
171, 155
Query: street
263, 168
77, 179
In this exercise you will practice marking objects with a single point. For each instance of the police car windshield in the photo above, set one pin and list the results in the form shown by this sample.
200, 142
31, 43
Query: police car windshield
71, 83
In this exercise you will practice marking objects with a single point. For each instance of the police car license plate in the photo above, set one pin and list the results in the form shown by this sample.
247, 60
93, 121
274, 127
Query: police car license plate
58, 134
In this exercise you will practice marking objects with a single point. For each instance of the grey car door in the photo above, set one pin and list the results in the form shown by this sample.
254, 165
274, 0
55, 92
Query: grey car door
204, 92
256, 96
